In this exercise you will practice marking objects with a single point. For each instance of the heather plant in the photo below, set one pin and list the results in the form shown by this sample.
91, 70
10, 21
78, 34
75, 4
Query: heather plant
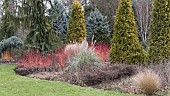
148, 80
76, 27
159, 39
125, 46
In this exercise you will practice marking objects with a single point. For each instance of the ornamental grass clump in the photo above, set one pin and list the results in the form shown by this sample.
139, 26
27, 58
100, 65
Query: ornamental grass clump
148, 81
85, 56
70, 50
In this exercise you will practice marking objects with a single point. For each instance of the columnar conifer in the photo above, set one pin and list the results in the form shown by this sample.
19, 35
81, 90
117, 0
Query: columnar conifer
159, 39
76, 26
125, 47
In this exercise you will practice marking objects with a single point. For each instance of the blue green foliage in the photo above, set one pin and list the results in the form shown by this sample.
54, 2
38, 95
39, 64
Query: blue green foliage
12, 42
61, 21
98, 25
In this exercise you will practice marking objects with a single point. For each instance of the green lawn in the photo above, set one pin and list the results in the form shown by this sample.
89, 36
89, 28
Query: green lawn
15, 85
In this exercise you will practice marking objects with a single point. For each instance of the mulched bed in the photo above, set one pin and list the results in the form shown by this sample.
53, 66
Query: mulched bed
110, 77
87, 76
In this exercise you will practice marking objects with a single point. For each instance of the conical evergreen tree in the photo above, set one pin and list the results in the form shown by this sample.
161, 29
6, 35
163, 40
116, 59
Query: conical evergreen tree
159, 39
76, 26
125, 47
60, 22
97, 25
41, 36
8, 27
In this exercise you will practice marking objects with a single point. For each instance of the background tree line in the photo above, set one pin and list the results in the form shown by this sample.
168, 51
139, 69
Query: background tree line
142, 10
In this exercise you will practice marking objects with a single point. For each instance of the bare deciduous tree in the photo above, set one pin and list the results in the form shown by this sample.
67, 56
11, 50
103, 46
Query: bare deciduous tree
142, 10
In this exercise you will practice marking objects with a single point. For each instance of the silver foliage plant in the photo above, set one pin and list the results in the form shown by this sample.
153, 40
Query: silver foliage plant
12, 42
84, 56
61, 21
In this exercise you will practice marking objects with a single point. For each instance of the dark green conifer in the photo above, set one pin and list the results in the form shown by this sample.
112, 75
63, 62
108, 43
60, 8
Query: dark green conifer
8, 27
41, 37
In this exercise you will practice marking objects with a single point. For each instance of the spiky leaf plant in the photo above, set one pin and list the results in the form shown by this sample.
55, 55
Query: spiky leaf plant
125, 47
159, 39
76, 26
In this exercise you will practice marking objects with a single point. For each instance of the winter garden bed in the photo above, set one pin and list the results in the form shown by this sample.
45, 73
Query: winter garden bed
82, 65
111, 77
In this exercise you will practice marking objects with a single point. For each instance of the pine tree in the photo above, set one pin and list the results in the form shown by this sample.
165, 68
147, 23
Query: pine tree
125, 47
76, 26
60, 23
41, 36
159, 39
98, 26
8, 26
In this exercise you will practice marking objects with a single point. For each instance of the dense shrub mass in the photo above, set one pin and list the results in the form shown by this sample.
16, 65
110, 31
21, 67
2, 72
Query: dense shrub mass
98, 25
76, 26
125, 47
32, 58
102, 50
159, 39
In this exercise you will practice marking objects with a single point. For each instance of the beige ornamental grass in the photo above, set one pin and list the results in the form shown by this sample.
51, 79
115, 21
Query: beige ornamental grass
147, 80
